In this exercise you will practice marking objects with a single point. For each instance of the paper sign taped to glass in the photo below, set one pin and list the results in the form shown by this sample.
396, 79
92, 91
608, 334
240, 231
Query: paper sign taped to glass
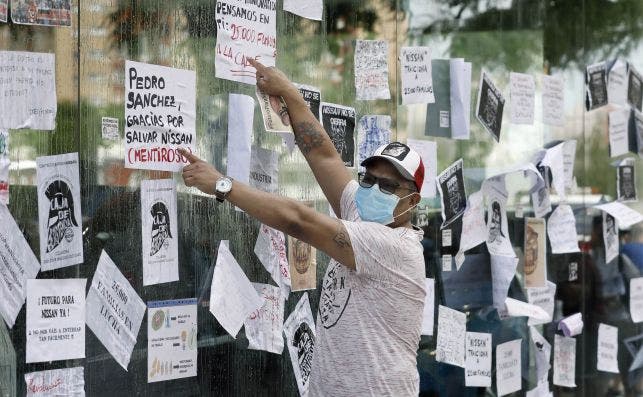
535, 259
428, 151
449, 115
299, 328
29, 89
275, 112
19, 265
490, 107
311, 9
59, 213
63, 382
450, 184
302, 258
114, 310
339, 124
371, 69
596, 85
373, 131
450, 347
270, 248
415, 75
508, 367
264, 326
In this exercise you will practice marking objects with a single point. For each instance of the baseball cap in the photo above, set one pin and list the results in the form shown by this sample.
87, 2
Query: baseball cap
406, 160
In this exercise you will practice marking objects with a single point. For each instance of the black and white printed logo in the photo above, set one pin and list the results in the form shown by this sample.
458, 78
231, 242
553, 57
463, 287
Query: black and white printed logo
335, 294
61, 214
160, 227
304, 341
397, 150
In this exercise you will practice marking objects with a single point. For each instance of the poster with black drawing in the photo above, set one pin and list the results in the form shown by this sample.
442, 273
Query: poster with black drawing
626, 181
299, 328
610, 237
634, 88
159, 231
339, 123
596, 86
498, 242
451, 186
491, 103
59, 215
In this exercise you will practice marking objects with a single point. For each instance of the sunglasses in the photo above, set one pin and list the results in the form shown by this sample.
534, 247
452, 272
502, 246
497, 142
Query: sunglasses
386, 185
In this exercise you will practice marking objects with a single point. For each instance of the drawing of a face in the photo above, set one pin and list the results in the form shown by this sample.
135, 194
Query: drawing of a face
531, 250
627, 182
160, 227
304, 341
495, 229
61, 214
610, 227
302, 256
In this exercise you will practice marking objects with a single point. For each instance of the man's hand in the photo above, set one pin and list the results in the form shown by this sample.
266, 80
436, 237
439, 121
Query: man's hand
199, 174
273, 81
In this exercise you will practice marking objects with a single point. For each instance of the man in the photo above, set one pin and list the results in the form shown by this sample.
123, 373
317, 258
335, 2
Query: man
372, 298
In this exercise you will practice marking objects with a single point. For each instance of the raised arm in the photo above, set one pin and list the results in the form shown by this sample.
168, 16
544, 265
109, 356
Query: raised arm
313, 141
289, 216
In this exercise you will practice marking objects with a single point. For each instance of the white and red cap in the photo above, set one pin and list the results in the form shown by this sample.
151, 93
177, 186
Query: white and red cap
406, 160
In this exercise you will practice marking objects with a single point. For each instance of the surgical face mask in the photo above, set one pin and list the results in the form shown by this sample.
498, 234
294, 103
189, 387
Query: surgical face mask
375, 206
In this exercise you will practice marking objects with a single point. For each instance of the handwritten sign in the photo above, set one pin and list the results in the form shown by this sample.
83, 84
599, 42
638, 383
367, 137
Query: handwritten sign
109, 128
373, 131
562, 230
27, 90
244, 29
59, 212
339, 123
270, 248
371, 69
56, 382
617, 83
508, 367
544, 298
452, 327
522, 92
618, 131
264, 326
636, 299
553, 100
55, 319
607, 354
114, 310
477, 367
415, 71
160, 111
564, 361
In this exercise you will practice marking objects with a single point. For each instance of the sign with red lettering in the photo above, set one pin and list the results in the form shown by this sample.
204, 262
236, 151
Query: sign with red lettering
244, 29
160, 113
56, 382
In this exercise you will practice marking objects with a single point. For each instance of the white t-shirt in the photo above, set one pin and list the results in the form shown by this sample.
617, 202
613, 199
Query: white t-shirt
370, 318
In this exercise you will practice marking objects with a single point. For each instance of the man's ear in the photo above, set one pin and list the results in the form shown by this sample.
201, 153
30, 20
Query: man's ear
415, 199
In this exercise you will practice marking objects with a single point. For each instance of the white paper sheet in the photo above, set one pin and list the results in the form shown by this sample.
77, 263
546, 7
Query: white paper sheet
503, 269
625, 216
373, 131
63, 382
607, 352
5, 162
610, 237
636, 299
617, 83
244, 30
428, 315
543, 298
311, 9
542, 350
232, 296
516, 308
171, 339
299, 328
460, 90
109, 129
571, 325
428, 151
569, 158
55, 328
452, 328
160, 114
270, 248
561, 229
477, 367
264, 169
498, 241
415, 75
241, 110
522, 92
554, 159
508, 367
28, 90
371, 69
564, 361
541, 202
159, 231
59, 214
18, 266
450, 184
553, 100
114, 310
339, 124
541, 390
618, 134
474, 228
264, 327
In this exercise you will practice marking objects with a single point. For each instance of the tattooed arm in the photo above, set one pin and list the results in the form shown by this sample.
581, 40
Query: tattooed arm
313, 141
291, 217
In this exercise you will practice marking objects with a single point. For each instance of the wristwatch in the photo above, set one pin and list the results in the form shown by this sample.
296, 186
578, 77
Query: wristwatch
222, 187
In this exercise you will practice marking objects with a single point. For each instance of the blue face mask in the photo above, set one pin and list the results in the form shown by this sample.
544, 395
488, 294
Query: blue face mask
375, 206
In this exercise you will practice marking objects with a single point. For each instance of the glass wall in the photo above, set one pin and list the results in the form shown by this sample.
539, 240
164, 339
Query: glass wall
499, 36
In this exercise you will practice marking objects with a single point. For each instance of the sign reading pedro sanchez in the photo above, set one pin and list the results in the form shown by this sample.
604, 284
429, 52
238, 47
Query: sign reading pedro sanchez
160, 111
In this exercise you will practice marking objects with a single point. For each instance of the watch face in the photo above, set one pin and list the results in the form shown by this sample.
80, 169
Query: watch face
224, 185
